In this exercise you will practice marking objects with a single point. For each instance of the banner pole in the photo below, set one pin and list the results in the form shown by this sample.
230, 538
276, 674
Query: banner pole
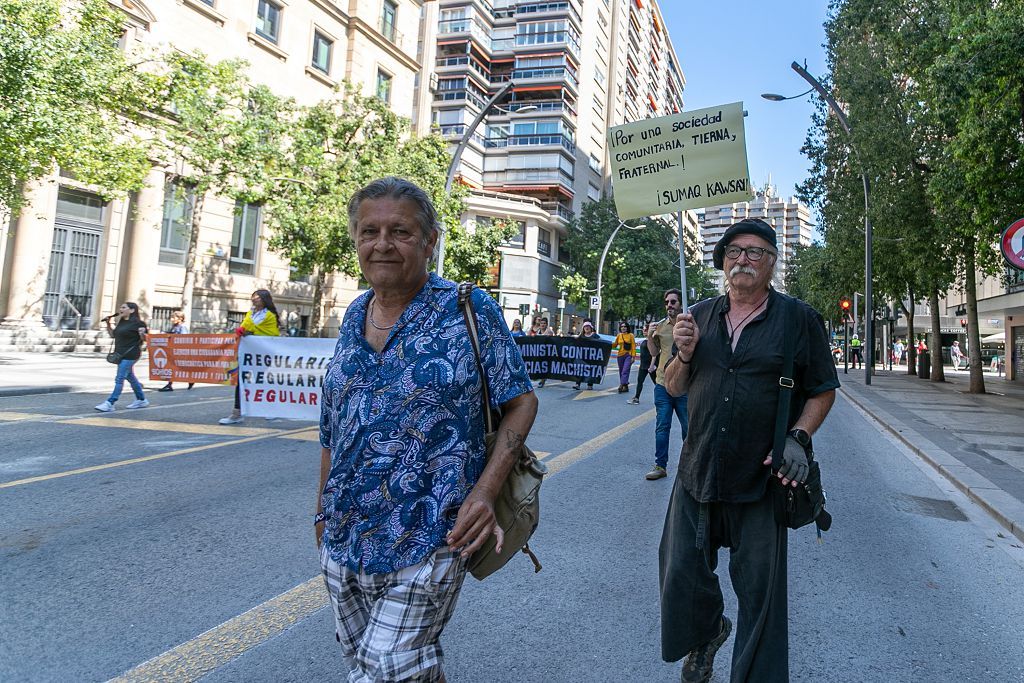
684, 297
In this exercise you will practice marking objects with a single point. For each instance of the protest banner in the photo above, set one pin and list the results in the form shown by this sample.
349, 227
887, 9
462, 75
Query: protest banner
193, 358
684, 161
567, 358
283, 376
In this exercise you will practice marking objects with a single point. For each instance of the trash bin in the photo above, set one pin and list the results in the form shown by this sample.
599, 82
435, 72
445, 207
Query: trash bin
924, 364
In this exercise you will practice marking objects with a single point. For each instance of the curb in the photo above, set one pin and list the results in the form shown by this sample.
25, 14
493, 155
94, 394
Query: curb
954, 471
31, 391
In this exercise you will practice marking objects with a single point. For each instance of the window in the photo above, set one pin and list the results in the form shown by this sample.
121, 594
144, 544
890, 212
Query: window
176, 226
387, 20
383, 87
295, 275
593, 193
322, 48
543, 242
518, 240
595, 164
268, 20
243, 238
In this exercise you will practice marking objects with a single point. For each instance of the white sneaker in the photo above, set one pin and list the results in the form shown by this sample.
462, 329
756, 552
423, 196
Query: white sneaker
231, 420
105, 407
139, 403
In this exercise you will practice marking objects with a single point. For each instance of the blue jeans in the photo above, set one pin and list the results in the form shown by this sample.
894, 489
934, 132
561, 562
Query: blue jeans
666, 404
125, 371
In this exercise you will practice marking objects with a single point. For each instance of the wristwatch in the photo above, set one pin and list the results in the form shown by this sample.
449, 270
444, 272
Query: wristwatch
801, 437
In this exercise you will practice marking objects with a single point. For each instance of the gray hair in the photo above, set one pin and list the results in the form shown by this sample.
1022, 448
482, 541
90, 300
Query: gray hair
396, 188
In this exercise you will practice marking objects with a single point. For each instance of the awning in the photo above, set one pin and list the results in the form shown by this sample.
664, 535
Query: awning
997, 338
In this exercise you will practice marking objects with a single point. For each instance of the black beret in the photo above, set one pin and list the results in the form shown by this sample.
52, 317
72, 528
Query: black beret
748, 226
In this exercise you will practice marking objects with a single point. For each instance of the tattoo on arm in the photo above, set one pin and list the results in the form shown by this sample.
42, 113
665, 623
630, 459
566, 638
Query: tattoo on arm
513, 440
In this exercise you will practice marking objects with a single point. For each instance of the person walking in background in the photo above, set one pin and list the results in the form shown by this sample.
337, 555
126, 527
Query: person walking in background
956, 355
129, 335
659, 341
178, 326
542, 331
855, 357
587, 333
647, 369
897, 352
260, 320
625, 342
517, 328
407, 489
729, 359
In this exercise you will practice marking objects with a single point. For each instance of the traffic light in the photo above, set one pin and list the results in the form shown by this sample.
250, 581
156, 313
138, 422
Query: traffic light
844, 304
963, 322
524, 309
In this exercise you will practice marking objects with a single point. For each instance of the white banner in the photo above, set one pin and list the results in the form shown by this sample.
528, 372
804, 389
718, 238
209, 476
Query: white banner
283, 376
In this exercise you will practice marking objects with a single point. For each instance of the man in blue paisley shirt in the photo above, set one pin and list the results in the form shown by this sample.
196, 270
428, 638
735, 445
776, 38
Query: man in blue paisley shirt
406, 492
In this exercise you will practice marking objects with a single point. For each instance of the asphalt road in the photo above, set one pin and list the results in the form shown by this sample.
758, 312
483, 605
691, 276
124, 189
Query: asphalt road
185, 549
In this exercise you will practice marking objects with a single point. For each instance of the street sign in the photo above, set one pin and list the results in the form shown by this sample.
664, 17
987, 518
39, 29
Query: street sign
561, 303
1012, 244
684, 161
595, 303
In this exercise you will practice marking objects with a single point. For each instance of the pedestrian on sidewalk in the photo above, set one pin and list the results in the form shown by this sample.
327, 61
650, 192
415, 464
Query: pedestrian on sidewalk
956, 355
897, 352
260, 320
662, 348
625, 342
645, 371
729, 358
587, 333
129, 336
178, 326
407, 489
543, 330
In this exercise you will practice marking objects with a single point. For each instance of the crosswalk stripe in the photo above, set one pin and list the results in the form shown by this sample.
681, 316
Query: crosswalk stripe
161, 426
8, 416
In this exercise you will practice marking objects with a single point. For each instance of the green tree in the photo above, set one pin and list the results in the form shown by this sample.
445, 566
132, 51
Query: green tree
66, 90
811, 276
641, 263
218, 133
470, 254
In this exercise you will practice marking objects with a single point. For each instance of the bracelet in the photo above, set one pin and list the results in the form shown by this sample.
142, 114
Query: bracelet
319, 517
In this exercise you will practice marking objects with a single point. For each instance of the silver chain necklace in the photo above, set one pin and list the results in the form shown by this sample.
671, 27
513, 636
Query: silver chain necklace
372, 322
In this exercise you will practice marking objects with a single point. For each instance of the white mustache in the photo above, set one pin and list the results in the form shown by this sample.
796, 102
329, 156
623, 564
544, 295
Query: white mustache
746, 270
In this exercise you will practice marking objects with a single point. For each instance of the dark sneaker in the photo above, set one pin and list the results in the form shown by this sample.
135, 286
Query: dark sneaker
657, 473
634, 401
698, 665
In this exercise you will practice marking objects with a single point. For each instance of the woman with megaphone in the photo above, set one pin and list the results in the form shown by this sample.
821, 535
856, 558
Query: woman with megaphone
129, 335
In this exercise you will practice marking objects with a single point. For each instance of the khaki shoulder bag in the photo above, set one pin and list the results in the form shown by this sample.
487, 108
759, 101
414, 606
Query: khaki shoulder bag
517, 507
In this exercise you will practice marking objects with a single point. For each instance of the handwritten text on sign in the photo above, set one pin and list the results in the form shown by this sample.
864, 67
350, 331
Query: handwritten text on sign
684, 161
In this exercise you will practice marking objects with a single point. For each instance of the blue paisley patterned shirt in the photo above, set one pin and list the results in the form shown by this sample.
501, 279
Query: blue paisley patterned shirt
405, 427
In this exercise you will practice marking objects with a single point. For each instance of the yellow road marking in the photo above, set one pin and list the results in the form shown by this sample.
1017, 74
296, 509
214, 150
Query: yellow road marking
591, 393
192, 660
222, 644
147, 458
311, 435
159, 426
560, 462
18, 417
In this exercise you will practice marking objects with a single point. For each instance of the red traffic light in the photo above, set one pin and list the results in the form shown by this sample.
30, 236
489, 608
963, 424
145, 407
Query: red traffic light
844, 304
963, 322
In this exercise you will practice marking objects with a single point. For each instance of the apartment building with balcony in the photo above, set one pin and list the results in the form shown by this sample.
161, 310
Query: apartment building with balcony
541, 151
790, 217
71, 256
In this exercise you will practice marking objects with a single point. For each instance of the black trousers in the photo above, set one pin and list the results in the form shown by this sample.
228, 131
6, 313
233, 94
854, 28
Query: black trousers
691, 597
641, 377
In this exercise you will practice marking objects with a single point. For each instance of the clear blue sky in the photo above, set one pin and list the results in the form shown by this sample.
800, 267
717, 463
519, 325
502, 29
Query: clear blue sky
734, 51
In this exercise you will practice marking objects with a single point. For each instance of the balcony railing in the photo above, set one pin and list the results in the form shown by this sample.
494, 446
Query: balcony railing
526, 140
549, 38
543, 106
560, 210
474, 27
455, 95
549, 73
548, 7
528, 175
463, 61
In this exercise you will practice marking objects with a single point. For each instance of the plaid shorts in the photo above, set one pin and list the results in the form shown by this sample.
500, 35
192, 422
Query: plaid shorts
389, 624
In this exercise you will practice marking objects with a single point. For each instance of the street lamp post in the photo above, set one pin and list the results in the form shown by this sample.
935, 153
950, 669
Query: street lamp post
600, 268
869, 323
457, 156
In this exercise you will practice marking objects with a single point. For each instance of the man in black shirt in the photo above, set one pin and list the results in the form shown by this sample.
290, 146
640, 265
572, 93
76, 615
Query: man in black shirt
729, 361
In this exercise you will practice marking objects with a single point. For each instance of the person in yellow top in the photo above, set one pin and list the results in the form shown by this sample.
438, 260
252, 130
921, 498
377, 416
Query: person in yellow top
260, 320
625, 342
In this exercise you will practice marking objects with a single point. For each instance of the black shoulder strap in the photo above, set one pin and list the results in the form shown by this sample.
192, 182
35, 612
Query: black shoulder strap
786, 381
466, 304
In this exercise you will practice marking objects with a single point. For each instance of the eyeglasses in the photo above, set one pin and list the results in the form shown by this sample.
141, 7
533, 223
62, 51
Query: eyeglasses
753, 253
671, 302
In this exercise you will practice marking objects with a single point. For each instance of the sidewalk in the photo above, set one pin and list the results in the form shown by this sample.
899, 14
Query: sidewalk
45, 373
975, 441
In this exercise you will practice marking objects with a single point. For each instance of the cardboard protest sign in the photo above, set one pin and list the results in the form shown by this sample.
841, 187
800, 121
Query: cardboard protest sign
684, 161
283, 376
567, 358
193, 358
